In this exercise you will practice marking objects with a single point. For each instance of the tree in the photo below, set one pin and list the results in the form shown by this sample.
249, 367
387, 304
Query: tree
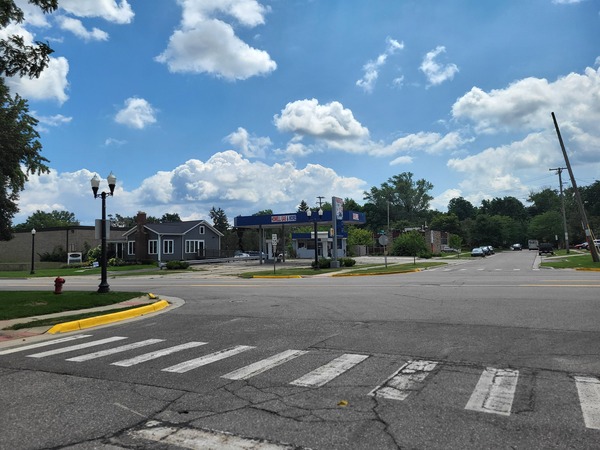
507, 206
303, 206
359, 236
20, 155
446, 222
461, 208
219, 219
410, 244
351, 205
40, 220
545, 227
169, 218
543, 201
264, 212
455, 241
408, 201
19, 141
17, 58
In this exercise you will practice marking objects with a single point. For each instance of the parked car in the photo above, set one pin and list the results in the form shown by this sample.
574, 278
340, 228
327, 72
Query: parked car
478, 251
517, 247
545, 247
582, 246
490, 249
448, 249
239, 254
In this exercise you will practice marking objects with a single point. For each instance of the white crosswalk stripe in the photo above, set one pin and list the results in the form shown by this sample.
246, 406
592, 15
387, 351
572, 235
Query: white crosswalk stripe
112, 351
43, 344
404, 381
494, 392
76, 347
263, 365
207, 359
324, 374
157, 354
588, 389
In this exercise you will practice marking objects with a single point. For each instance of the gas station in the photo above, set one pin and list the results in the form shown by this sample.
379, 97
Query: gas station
273, 230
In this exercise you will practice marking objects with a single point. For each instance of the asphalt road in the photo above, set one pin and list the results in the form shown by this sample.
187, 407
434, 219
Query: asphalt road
488, 353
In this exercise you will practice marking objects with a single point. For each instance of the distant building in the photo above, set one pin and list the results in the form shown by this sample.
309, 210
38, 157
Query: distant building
175, 241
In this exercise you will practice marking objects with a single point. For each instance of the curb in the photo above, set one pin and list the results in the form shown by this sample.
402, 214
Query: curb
374, 273
107, 318
276, 276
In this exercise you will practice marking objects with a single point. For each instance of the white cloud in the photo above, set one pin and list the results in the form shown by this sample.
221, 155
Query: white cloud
527, 104
137, 113
76, 27
566, 2
51, 85
401, 160
435, 72
205, 44
330, 121
106, 9
251, 146
440, 202
109, 142
226, 179
371, 68
54, 121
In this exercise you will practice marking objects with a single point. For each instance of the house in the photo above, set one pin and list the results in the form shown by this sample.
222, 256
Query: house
175, 241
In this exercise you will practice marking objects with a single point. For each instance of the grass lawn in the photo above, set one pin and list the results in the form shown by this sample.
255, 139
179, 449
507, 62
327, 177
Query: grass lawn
571, 261
371, 269
17, 304
139, 269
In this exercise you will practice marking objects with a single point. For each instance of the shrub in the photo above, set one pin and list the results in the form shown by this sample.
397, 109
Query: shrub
177, 265
347, 262
58, 255
116, 262
324, 263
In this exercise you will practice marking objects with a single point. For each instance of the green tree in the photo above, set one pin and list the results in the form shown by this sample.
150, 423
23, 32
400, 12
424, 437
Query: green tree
263, 212
461, 208
545, 227
20, 149
408, 200
40, 220
455, 241
359, 236
19, 141
219, 219
410, 244
543, 201
303, 206
17, 58
170, 218
446, 222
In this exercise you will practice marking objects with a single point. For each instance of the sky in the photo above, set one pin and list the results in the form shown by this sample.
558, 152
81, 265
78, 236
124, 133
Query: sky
247, 105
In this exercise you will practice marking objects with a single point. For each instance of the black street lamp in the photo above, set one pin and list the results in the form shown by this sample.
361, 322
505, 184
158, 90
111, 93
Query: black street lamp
32, 251
103, 287
309, 215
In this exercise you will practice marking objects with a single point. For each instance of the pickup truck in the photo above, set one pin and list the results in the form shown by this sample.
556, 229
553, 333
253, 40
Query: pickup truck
545, 247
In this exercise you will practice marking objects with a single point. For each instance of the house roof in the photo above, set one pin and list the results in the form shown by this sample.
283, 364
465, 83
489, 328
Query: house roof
177, 228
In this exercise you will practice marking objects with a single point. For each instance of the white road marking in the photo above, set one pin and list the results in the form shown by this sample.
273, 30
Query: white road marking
202, 439
404, 381
76, 347
494, 392
112, 351
262, 366
588, 389
157, 354
43, 344
207, 359
329, 371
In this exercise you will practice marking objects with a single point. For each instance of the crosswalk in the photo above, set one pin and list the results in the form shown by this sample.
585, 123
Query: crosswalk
494, 392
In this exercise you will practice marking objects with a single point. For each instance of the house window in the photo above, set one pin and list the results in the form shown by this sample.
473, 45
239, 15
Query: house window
195, 247
153, 247
131, 248
168, 247
201, 229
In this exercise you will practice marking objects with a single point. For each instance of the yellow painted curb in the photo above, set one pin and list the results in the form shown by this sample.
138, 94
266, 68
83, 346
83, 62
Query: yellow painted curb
374, 273
589, 269
276, 276
107, 318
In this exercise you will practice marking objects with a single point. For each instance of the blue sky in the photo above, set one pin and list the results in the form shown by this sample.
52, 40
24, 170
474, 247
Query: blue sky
253, 104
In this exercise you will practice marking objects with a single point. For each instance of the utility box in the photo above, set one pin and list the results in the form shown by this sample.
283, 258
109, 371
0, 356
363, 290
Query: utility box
74, 258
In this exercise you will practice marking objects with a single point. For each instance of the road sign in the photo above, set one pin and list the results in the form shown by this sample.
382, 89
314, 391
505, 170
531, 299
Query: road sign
383, 240
274, 239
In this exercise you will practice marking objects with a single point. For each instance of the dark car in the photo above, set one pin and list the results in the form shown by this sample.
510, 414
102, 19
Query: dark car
546, 247
517, 247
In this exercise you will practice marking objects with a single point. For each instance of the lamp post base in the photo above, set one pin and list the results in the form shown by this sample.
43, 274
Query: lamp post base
103, 288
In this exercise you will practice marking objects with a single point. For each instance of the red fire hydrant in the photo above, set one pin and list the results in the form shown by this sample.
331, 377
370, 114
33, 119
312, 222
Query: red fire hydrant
58, 284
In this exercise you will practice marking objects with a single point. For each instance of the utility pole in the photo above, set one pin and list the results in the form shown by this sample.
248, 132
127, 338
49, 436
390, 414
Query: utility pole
320, 200
562, 206
586, 225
